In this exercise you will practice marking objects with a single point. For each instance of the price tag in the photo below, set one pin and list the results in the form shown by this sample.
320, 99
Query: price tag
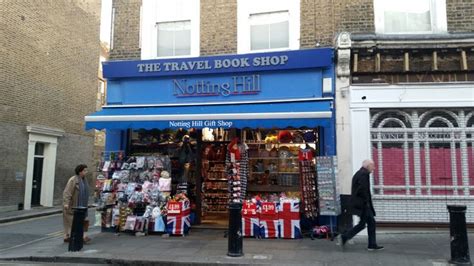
174, 207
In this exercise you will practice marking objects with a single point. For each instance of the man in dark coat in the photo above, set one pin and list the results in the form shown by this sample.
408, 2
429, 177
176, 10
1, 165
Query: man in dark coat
361, 201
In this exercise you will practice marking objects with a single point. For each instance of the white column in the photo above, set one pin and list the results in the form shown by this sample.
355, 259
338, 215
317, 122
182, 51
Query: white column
406, 163
428, 166
380, 162
464, 153
29, 174
454, 170
361, 145
416, 152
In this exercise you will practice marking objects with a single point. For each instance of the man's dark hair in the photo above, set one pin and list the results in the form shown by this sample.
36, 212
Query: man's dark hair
80, 168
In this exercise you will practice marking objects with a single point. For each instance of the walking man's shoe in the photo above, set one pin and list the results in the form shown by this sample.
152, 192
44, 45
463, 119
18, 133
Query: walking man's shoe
375, 248
340, 241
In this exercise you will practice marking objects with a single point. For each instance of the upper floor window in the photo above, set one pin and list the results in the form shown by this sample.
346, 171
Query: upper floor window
269, 30
174, 38
169, 28
267, 25
410, 17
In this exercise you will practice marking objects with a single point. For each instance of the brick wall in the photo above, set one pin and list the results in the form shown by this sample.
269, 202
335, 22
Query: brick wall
321, 20
126, 30
218, 27
49, 61
460, 15
419, 210
50, 69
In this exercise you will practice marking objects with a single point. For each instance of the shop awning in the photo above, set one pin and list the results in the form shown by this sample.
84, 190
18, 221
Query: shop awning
311, 113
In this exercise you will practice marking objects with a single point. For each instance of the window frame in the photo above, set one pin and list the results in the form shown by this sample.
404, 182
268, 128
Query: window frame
151, 18
438, 19
246, 8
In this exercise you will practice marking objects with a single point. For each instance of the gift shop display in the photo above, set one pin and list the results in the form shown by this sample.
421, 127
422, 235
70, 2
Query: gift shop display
329, 193
135, 195
178, 215
289, 218
250, 219
269, 221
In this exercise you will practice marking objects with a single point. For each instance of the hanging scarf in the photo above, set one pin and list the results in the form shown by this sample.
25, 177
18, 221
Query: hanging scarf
233, 148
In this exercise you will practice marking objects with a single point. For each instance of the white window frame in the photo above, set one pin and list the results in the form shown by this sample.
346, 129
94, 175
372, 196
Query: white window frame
245, 8
170, 12
438, 17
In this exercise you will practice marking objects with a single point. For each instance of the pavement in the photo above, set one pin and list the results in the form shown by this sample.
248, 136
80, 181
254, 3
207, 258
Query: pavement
403, 246
209, 247
11, 216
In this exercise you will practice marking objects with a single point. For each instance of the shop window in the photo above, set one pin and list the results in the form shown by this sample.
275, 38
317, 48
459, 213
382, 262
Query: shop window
410, 17
269, 30
169, 28
267, 25
174, 38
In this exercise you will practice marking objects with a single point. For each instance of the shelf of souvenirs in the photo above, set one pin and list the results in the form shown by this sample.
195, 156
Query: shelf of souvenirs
216, 189
218, 203
273, 158
216, 179
271, 188
216, 195
256, 142
284, 173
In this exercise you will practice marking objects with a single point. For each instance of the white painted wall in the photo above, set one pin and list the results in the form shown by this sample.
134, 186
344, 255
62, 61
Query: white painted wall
362, 98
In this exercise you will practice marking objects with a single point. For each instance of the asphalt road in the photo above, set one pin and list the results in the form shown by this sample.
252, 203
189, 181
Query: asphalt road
20, 233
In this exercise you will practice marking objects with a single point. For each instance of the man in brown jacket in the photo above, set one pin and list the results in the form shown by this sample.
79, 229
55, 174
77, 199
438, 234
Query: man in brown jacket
76, 194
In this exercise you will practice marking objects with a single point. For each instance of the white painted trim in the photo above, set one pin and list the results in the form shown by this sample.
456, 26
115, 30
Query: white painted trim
47, 131
49, 137
412, 96
170, 11
219, 103
247, 7
234, 116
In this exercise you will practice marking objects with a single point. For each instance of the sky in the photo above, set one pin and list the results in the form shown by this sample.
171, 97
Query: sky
105, 20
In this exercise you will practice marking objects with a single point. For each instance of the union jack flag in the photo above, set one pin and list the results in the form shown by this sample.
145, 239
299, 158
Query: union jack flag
289, 219
250, 221
178, 220
269, 220
250, 226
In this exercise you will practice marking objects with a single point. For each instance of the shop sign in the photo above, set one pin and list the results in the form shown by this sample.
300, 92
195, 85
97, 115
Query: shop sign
200, 123
216, 64
237, 85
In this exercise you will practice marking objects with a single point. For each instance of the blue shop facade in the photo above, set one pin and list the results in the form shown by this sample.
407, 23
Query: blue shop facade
190, 111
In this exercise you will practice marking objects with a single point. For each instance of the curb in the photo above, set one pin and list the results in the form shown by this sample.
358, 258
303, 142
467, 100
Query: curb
82, 260
29, 216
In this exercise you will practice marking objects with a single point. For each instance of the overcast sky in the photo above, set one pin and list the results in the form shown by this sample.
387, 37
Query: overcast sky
105, 19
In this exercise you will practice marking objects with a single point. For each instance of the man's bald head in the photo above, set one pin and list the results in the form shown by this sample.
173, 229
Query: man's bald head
369, 165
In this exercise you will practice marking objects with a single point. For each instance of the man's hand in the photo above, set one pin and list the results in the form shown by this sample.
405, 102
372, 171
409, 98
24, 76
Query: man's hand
66, 207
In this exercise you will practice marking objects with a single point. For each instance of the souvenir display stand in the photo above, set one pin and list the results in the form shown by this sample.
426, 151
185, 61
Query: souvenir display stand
328, 188
135, 196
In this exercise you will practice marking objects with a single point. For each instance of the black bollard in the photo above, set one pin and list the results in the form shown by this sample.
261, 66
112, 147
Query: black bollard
76, 241
235, 230
458, 233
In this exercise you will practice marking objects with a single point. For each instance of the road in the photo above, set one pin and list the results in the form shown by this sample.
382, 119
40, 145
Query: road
20, 233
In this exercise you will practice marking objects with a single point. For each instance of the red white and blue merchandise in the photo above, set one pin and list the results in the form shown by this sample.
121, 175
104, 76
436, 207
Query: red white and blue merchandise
250, 220
289, 219
269, 220
178, 218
